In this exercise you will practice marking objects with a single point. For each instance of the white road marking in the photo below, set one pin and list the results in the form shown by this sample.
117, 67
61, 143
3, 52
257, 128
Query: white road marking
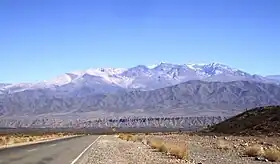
31, 150
52, 145
79, 156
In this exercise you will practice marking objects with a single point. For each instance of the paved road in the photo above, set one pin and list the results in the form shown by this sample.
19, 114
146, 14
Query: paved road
54, 152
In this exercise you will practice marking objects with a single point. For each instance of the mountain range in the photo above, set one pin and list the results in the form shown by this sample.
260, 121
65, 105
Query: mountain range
141, 77
163, 89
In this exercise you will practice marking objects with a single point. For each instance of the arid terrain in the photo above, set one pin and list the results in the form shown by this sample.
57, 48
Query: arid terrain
257, 121
249, 138
10, 140
184, 148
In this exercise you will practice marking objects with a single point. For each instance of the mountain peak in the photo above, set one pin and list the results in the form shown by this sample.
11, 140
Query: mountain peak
144, 77
108, 71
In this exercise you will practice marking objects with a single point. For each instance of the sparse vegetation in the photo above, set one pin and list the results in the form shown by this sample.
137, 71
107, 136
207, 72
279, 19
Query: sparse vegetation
223, 145
257, 121
272, 154
254, 151
155, 143
130, 137
24, 138
178, 151
247, 134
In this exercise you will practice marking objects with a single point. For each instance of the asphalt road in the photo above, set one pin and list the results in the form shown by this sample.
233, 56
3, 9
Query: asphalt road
55, 152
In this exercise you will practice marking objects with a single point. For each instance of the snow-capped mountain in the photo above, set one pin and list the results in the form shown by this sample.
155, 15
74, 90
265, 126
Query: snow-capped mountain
100, 80
274, 77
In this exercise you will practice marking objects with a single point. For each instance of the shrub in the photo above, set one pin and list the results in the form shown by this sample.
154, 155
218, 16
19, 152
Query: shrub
222, 144
254, 151
122, 136
164, 148
3, 140
155, 143
131, 137
272, 154
179, 151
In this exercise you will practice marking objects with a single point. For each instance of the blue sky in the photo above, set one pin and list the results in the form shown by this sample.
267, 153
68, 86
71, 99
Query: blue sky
40, 39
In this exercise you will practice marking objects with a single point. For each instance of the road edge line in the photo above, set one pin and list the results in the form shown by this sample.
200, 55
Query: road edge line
79, 156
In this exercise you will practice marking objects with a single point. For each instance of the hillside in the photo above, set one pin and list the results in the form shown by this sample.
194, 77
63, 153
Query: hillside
192, 98
262, 120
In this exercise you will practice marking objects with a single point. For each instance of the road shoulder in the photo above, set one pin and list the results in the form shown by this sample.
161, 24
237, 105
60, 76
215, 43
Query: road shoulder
110, 149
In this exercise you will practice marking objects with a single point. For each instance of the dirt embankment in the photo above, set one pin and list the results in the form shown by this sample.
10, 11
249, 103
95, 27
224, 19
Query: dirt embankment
257, 121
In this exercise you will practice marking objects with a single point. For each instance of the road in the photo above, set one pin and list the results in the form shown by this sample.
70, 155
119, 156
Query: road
55, 152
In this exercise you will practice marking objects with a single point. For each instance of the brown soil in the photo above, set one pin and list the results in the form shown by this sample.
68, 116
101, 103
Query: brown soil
207, 149
258, 121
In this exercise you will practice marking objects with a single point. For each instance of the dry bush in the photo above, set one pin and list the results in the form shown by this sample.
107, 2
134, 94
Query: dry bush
3, 140
6, 139
123, 136
272, 154
165, 148
19, 140
179, 151
59, 135
140, 138
137, 138
11, 140
130, 137
35, 138
224, 145
127, 137
155, 143
22, 138
254, 151
30, 139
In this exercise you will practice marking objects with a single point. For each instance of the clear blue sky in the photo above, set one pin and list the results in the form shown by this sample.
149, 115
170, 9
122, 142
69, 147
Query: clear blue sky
40, 39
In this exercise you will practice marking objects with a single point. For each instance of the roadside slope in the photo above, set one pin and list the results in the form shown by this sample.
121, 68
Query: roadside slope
262, 120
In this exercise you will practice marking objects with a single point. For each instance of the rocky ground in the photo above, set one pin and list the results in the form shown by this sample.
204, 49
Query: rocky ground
208, 149
112, 150
202, 149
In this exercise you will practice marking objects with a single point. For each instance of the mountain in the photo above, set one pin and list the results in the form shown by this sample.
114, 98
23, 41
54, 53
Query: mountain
4, 84
192, 98
274, 77
141, 77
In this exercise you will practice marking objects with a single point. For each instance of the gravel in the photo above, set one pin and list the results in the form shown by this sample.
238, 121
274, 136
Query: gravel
203, 149
112, 150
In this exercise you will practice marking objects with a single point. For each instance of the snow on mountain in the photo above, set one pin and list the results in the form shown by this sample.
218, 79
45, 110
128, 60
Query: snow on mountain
15, 87
274, 77
100, 80
62, 79
212, 69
